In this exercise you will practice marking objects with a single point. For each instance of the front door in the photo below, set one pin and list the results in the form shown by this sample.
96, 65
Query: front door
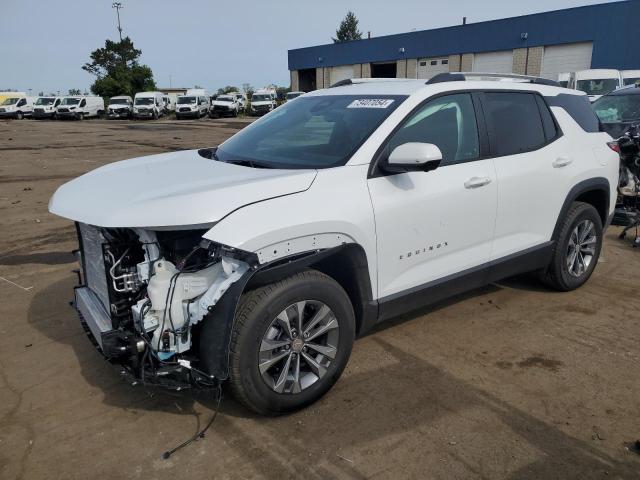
433, 225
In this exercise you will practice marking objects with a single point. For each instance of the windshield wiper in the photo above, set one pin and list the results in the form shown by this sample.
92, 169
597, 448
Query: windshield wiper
248, 163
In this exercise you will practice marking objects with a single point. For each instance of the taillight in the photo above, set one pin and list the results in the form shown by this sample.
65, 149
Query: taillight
614, 146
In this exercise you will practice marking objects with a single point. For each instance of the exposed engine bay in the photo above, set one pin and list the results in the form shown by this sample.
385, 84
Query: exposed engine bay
144, 294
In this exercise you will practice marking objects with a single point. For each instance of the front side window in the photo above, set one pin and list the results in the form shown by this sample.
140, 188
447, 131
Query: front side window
448, 122
83, 103
631, 80
514, 122
22, 102
312, 132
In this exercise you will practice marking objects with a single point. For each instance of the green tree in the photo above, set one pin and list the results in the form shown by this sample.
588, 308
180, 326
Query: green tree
74, 91
348, 29
117, 70
227, 89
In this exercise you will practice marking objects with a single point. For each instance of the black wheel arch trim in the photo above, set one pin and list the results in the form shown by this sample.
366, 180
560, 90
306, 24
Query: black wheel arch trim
595, 184
346, 263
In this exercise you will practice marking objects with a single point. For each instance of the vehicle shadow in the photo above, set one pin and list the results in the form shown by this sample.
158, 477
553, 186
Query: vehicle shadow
46, 258
400, 399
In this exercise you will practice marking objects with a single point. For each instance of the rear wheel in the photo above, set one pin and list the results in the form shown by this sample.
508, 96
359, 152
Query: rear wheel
290, 343
577, 249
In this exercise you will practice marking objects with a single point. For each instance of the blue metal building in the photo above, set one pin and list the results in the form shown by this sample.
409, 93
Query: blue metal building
546, 44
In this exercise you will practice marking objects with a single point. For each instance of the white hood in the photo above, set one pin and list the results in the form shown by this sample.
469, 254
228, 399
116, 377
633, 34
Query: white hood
177, 189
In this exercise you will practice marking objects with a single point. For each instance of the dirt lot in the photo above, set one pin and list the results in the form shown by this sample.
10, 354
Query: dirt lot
512, 381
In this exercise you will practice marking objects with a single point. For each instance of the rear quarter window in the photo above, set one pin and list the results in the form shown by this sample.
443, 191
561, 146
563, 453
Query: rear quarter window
579, 108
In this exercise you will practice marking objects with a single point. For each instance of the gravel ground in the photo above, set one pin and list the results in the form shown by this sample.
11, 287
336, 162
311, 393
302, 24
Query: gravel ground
510, 381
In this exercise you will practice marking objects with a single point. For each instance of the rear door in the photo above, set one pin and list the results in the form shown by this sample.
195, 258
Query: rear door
534, 164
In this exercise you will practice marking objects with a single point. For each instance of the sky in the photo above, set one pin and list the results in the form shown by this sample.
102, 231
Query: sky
44, 43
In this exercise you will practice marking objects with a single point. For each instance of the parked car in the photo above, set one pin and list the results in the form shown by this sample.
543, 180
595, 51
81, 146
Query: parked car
16, 107
45, 107
120, 107
263, 101
242, 99
192, 105
225, 106
630, 77
80, 107
598, 82
148, 105
292, 95
618, 110
259, 261
169, 103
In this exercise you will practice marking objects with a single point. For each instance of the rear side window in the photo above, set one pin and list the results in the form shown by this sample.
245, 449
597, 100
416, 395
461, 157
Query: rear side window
579, 108
548, 124
514, 122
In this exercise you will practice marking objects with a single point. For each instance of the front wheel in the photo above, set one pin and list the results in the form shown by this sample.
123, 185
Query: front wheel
19, 116
577, 248
81, 116
290, 342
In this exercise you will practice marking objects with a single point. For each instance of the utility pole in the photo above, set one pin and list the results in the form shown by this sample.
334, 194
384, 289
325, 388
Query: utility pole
118, 6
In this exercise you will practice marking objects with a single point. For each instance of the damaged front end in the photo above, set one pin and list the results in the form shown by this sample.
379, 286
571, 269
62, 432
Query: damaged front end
144, 295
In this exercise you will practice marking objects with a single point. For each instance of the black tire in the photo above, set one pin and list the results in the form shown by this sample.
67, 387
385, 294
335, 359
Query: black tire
19, 116
81, 116
155, 115
256, 311
557, 274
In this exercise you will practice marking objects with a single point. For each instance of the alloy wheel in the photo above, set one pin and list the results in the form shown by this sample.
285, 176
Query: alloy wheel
581, 248
298, 346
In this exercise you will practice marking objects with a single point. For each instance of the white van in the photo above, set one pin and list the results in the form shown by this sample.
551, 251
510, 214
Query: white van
120, 107
630, 77
565, 80
80, 107
45, 107
598, 82
16, 107
169, 103
194, 104
242, 99
263, 101
148, 105
291, 95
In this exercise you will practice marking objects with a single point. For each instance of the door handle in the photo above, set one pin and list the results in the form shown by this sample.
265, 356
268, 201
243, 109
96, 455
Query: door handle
561, 162
477, 182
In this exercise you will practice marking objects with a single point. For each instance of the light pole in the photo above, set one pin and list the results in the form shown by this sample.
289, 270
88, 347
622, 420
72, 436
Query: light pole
118, 6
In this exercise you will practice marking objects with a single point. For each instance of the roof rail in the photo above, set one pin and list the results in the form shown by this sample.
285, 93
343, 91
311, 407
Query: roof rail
465, 76
359, 81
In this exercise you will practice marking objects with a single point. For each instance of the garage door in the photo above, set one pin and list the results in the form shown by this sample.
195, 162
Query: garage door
428, 67
493, 62
343, 72
566, 58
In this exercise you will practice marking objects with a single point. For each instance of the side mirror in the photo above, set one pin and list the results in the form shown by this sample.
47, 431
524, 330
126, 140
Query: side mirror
413, 157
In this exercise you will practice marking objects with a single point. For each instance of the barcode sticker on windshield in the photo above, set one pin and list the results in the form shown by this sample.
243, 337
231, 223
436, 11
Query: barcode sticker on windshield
371, 103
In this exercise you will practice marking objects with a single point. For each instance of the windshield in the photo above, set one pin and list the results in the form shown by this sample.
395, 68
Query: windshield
313, 132
291, 96
261, 98
600, 86
225, 98
119, 101
70, 101
618, 108
186, 100
145, 101
10, 101
631, 80
45, 101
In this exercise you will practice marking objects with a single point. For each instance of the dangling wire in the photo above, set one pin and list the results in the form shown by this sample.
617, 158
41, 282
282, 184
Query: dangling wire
202, 432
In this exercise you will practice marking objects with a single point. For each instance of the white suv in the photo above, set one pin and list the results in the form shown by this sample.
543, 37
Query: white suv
260, 261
